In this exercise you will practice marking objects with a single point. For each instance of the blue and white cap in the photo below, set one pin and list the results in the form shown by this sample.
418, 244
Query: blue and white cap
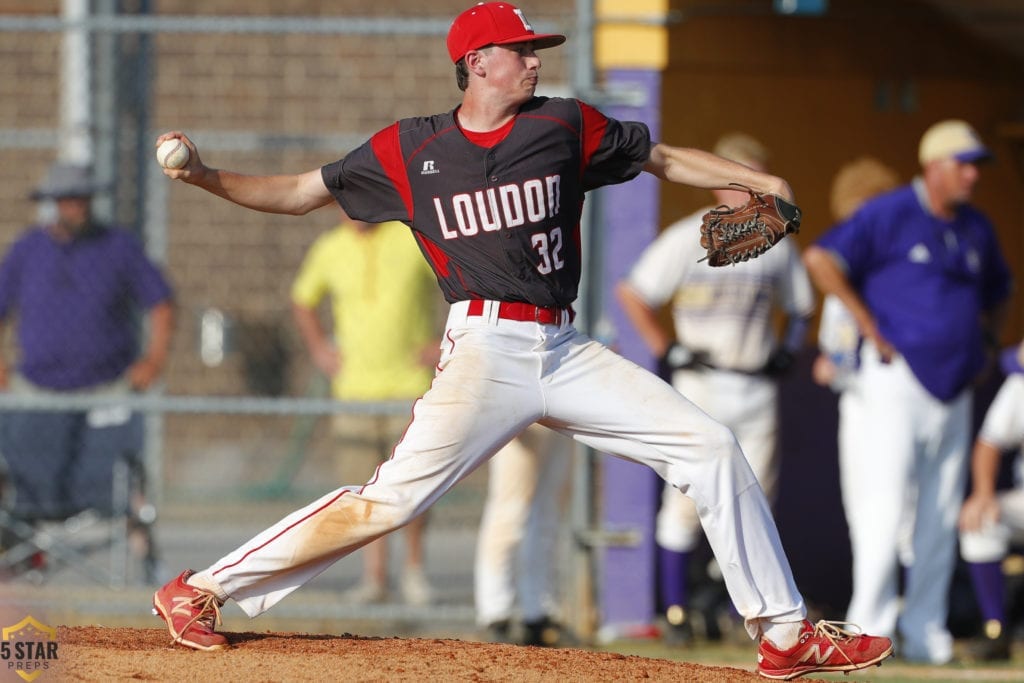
955, 139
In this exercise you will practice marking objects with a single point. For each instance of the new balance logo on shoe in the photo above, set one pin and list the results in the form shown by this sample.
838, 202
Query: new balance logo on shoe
814, 652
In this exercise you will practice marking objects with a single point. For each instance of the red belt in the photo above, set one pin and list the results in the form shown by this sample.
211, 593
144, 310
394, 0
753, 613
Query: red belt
515, 310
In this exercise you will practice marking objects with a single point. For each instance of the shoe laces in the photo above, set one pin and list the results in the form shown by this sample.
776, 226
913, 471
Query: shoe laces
205, 608
833, 631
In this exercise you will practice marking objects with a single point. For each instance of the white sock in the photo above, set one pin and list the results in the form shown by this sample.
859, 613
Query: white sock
203, 581
783, 635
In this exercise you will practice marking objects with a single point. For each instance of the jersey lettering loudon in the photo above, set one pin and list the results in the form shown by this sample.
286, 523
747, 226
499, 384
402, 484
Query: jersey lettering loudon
494, 223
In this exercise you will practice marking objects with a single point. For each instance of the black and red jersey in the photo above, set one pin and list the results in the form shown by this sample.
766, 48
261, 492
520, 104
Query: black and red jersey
500, 222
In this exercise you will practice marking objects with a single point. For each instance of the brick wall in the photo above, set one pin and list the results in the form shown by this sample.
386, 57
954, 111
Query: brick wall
215, 86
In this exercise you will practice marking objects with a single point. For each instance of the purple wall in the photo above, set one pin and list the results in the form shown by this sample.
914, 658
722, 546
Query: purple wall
628, 223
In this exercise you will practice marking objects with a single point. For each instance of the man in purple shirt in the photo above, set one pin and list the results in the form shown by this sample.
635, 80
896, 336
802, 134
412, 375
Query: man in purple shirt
922, 274
76, 288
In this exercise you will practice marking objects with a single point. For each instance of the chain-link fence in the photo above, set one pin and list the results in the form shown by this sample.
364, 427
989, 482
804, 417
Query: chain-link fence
237, 430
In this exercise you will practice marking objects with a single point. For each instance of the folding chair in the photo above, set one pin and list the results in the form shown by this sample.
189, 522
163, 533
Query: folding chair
75, 496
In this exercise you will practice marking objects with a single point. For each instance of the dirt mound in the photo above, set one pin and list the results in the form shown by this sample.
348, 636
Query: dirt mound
126, 654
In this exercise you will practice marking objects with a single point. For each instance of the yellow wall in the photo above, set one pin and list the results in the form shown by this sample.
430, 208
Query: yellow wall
630, 34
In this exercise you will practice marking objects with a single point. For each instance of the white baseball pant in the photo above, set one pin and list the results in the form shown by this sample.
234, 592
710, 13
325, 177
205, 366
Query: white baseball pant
495, 378
747, 405
854, 424
516, 547
911, 442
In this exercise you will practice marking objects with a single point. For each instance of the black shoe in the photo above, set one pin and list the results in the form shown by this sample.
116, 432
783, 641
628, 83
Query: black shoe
498, 632
992, 646
678, 627
678, 635
544, 632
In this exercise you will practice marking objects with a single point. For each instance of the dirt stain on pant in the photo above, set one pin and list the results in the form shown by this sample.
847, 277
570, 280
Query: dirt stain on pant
339, 528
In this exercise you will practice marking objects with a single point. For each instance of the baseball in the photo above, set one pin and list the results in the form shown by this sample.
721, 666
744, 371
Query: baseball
172, 153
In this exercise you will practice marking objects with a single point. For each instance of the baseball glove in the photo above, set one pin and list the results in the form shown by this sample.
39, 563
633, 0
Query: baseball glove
740, 233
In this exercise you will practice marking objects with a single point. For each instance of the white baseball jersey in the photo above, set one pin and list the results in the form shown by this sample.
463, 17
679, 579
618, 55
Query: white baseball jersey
1004, 422
725, 311
728, 313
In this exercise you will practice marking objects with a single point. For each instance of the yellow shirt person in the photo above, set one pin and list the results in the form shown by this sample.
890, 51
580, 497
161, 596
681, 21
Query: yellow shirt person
384, 299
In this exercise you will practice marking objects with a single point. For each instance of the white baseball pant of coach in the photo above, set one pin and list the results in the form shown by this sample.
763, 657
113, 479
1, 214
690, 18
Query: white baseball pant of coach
839, 340
496, 377
916, 445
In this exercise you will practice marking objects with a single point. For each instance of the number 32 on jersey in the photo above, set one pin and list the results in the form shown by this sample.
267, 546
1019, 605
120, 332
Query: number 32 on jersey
549, 248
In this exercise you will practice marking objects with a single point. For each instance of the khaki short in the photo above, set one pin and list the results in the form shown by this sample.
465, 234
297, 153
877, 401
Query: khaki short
363, 442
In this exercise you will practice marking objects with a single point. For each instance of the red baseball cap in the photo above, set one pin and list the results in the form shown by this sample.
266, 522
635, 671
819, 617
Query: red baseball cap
494, 23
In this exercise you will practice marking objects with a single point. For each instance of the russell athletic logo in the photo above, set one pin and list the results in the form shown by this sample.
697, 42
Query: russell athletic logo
428, 168
28, 648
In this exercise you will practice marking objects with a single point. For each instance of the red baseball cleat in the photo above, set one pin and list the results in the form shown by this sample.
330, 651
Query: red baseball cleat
191, 614
822, 647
